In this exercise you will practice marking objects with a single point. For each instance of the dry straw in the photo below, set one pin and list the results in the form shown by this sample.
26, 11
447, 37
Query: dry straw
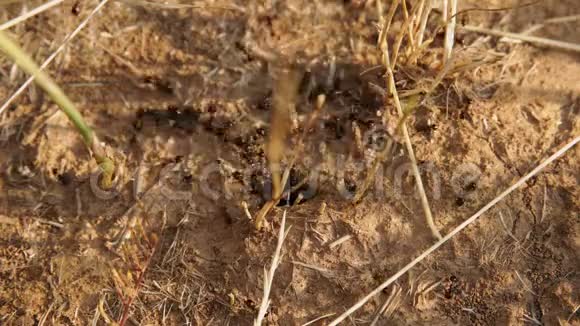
450, 31
458, 229
389, 64
525, 38
53, 56
30, 14
269, 274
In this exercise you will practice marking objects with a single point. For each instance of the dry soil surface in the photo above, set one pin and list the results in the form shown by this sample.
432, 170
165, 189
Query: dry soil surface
184, 97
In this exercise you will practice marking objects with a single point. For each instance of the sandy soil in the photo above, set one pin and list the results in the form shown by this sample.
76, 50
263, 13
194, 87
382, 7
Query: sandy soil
184, 98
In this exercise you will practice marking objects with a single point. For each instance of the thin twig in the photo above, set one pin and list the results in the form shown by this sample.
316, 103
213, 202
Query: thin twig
458, 229
29, 14
53, 56
526, 38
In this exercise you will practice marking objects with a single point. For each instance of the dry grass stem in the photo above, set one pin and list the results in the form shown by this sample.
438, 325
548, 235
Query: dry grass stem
260, 217
284, 102
399, 38
313, 267
45, 315
511, 235
269, 274
339, 241
423, 22
319, 105
387, 21
526, 286
551, 21
450, 32
44, 81
132, 213
532, 320
30, 14
412, 20
386, 306
525, 38
544, 205
561, 20
408, 145
317, 319
376, 165
458, 229
246, 210
67, 39
47, 222
573, 313
200, 5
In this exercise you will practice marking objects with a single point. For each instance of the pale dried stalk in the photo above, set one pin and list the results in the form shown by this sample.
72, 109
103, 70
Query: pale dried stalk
269, 274
387, 22
53, 56
450, 32
394, 292
526, 38
408, 145
406, 15
284, 104
458, 229
423, 23
25, 62
30, 14
401, 35
317, 319
260, 217
551, 21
